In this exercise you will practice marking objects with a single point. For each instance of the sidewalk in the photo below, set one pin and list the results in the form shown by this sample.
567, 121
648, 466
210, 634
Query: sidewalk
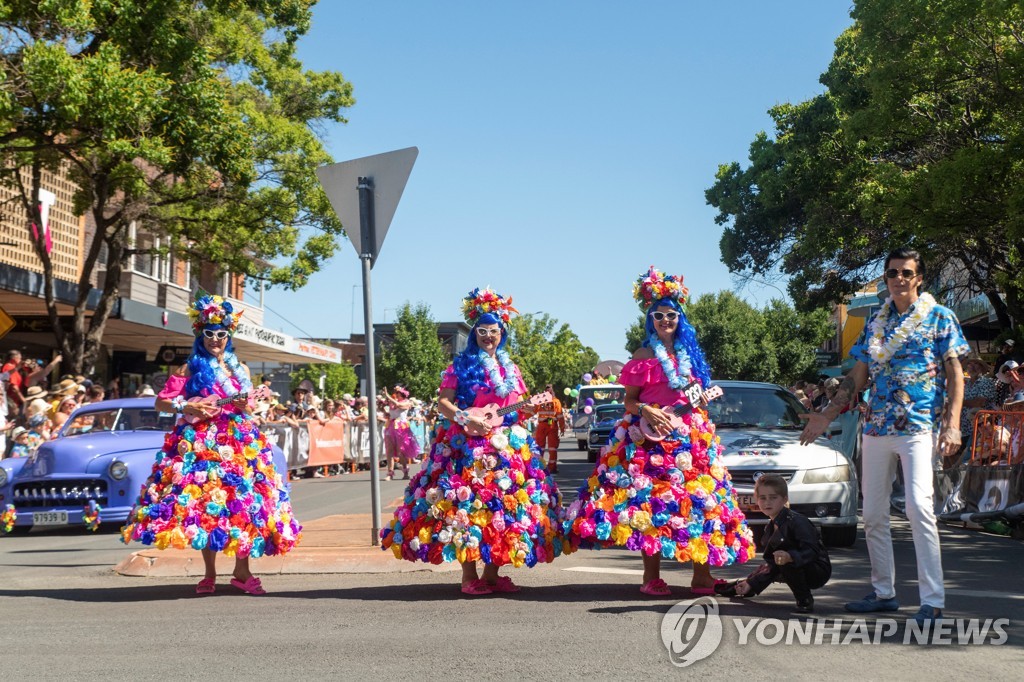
333, 544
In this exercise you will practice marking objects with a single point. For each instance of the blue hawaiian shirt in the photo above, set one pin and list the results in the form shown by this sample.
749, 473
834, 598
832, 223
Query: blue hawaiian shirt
909, 391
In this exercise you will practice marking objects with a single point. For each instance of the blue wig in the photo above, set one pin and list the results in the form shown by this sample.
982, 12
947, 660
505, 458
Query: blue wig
201, 365
686, 334
468, 370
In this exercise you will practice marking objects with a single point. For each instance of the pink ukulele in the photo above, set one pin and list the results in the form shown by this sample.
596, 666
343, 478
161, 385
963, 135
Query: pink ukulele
494, 415
692, 393
261, 393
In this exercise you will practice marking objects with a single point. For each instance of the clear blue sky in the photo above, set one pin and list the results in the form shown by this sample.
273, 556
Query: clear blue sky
564, 147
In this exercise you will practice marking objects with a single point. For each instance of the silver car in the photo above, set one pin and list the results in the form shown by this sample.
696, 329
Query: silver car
759, 425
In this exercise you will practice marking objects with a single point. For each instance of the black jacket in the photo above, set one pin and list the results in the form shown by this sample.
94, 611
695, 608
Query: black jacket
792, 532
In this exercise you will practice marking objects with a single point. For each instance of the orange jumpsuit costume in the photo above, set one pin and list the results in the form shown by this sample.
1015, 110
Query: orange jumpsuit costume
550, 422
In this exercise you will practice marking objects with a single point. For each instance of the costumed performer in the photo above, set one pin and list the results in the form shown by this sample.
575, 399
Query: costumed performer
670, 498
399, 440
214, 486
550, 424
483, 493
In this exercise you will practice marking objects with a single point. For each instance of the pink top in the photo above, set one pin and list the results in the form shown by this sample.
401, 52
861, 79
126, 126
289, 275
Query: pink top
484, 398
175, 386
650, 377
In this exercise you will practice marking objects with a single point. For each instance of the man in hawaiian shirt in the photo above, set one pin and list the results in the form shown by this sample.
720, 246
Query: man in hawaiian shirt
910, 353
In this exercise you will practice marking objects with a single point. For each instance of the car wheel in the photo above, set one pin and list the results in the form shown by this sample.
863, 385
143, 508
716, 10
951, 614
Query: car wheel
581, 445
839, 536
591, 455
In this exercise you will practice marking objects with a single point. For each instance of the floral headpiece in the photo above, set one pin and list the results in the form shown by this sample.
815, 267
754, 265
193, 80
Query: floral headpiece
210, 309
402, 391
482, 301
655, 285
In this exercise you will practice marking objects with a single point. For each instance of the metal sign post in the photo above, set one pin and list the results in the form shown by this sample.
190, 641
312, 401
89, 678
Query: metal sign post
379, 182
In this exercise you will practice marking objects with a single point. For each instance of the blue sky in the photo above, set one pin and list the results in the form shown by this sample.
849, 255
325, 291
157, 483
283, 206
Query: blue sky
564, 147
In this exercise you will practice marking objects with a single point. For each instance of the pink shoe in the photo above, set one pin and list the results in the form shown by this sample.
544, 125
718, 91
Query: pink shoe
656, 587
206, 586
709, 591
476, 588
503, 584
250, 586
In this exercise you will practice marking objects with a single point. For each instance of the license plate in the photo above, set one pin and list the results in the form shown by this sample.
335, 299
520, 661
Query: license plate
747, 502
57, 518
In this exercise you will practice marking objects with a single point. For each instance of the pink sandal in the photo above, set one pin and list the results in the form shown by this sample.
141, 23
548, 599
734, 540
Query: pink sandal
709, 591
250, 586
503, 584
476, 588
656, 587
206, 586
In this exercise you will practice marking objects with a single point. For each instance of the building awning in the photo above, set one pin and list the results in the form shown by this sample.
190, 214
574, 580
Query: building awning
141, 326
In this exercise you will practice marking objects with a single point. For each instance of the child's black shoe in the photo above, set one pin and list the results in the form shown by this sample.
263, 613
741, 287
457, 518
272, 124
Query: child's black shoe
804, 605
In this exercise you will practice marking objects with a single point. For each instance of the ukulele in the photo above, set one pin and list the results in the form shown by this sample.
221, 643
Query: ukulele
692, 393
494, 415
261, 393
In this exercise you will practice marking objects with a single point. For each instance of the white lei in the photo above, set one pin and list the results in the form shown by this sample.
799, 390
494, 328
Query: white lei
676, 379
501, 387
880, 350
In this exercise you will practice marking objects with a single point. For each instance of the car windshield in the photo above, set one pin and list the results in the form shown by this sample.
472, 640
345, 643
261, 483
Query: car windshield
756, 407
609, 412
601, 395
119, 419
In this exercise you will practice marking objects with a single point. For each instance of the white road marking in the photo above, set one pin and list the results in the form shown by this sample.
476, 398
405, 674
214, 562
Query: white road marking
610, 571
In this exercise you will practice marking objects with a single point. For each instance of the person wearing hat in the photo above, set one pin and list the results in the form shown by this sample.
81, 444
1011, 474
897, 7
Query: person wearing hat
66, 387
1006, 352
19, 442
35, 401
214, 486
1011, 384
979, 394
146, 391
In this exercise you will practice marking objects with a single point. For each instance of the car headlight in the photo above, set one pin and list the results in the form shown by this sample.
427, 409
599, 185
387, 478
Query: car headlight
836, 474
3, 476
118, 470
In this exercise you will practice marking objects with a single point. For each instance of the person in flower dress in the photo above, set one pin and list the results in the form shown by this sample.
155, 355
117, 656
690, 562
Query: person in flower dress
214, 486
671, 498
910, 354
483, 495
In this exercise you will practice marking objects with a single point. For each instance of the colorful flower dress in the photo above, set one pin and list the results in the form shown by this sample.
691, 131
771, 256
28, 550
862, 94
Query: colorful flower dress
480, 497
214, 487
672, 498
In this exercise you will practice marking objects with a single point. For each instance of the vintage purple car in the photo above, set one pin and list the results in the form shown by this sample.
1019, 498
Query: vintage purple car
104, 454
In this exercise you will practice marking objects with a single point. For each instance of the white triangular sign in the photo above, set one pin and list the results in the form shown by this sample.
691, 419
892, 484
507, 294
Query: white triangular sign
389, 172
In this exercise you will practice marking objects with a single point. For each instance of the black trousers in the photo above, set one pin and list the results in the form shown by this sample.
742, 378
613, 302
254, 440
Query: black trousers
800, 580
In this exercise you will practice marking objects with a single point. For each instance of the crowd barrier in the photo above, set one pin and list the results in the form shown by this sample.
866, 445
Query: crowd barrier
311, 444
992, 477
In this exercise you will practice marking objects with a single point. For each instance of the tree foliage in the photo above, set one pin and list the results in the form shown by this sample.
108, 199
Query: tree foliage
415, 357
547, 352
776, 344
918, 141
195, 121
338, 379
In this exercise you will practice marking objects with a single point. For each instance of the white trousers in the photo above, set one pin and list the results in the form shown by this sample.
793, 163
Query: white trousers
880, 455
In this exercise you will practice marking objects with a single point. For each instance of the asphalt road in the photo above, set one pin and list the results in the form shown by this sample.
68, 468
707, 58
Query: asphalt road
65, 613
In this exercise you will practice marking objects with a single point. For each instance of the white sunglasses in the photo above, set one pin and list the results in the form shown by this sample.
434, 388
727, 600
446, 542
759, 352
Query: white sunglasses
215, 334
670, 315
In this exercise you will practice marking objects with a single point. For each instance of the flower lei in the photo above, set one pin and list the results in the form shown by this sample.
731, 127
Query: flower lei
501, 387
881, 351
91, 515
224, 380
676, 379
7, 518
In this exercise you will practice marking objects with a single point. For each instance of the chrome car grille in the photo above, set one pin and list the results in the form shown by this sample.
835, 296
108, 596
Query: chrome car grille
744, 478
75, 492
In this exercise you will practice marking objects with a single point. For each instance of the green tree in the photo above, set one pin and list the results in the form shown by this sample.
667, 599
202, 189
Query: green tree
415, 358
635, 334
547, 352
338, 379
194, 121
917, 141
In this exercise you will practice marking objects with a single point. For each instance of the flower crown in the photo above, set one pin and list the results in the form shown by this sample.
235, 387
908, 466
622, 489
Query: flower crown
482, 301
401, 390
209, 309
655, 285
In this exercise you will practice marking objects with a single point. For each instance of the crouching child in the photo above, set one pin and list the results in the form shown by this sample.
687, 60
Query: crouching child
793, 551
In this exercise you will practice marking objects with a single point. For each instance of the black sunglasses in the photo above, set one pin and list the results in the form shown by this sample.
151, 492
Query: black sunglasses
892, 273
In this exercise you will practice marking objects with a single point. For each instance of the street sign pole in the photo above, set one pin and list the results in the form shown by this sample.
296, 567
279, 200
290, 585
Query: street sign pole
379, 181
366, 229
